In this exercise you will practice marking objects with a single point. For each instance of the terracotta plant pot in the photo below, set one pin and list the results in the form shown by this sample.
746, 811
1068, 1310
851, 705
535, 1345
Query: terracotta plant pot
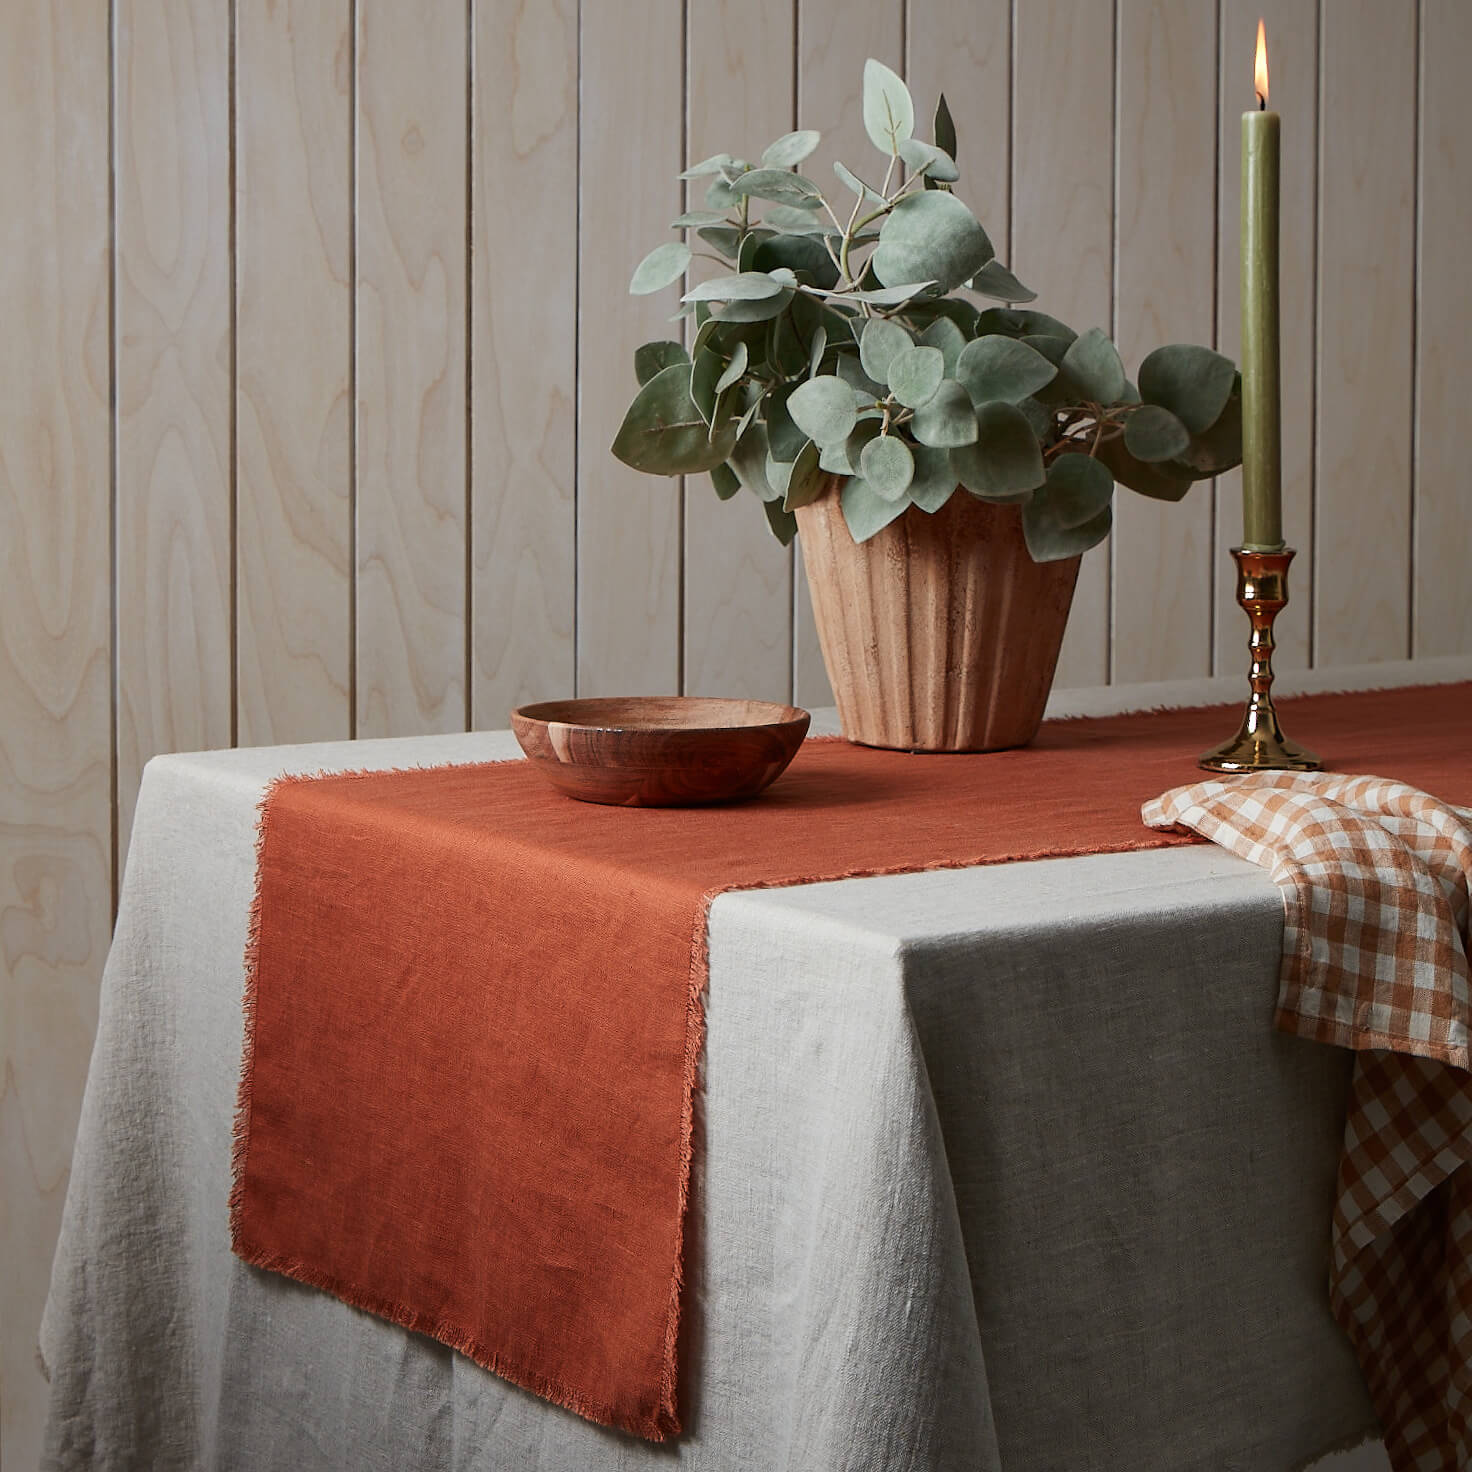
940, 633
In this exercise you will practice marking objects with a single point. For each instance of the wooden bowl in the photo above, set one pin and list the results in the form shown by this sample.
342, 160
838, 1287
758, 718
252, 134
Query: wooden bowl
660, 751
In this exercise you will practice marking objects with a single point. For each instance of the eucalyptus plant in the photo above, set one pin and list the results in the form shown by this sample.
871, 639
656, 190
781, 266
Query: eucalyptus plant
836, 342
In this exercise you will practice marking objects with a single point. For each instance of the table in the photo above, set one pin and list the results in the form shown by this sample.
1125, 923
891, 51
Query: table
1001, 1168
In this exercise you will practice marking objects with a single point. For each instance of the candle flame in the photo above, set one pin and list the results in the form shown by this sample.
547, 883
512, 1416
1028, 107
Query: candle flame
1260, 71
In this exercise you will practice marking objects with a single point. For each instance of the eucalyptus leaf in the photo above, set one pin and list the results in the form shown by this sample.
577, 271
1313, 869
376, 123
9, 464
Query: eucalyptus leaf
663, 265
945, 335
790, 149
703, 335
1005, 459
844, 459
734, 369
791, 221
1047, 541
1077, 489
923, 312
934, 481
780, 187
1152, 433
816, 348
1054, 349
823, 408
851, 370
663, 432
887, 465
947, 420
1093, 363
1020, 322
914, 375
653, 356
866, 511
889, 296
751, 242
720, 196
1219, 448
749, 461
881, 341
724, 238
694, 219
930, 237
725, 481
757, 310
944, 130
786, 354
746, 286
705, 373
996, 281
1160, 482
926, 158
1194, 383
785, 437
889, 111
998, 367
1040, 417
852, 181
782, 522
797, 253
717, 163
807, 480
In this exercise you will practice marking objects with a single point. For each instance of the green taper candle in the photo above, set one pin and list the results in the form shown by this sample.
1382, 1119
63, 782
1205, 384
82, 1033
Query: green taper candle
1262, 442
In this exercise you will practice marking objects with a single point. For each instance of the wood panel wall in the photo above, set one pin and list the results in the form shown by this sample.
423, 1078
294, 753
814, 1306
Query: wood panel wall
317, 335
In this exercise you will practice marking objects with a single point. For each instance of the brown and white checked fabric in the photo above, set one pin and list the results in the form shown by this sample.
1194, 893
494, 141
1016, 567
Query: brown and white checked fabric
1376, 878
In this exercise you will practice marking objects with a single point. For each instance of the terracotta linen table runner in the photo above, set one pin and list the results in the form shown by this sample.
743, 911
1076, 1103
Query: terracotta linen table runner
473, 1018
1376, 878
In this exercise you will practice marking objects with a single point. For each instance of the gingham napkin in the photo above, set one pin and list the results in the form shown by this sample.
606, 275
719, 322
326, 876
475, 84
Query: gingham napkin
1375, 878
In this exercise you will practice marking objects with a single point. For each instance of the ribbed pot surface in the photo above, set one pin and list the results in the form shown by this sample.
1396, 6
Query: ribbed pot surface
940, 633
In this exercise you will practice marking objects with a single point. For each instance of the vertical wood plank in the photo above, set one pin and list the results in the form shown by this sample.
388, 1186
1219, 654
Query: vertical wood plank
738, 577
411, 351
1442, 610
293, 178
1165, 233
1292, 39
834, 40
55, 645
1366, 269
964, 49
629, 545
523, 414
1063, 228
174, 565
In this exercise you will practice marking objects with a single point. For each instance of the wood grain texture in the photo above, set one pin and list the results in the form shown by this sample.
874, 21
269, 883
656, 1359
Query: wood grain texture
940, 631
660, 751
55, 645
412, 141
1165, 230
174, 564
1362, 532
833, 42
523, 415
1292, 39
629, 544
964, 49
738, 577
1063, 228
1442, 593
294, 426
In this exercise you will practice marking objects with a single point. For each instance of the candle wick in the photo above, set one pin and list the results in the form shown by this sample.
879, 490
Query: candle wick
1262, 103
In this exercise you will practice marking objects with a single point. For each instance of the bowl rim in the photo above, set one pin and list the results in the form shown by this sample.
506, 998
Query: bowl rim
541, 713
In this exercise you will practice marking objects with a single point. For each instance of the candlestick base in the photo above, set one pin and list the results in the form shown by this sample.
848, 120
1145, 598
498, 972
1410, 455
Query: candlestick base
1260, 745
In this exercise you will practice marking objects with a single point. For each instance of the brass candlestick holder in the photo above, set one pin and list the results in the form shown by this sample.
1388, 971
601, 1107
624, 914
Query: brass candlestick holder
1260, 746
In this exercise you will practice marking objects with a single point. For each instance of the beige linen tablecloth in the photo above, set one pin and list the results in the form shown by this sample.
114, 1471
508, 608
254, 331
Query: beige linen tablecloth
1004, 1169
